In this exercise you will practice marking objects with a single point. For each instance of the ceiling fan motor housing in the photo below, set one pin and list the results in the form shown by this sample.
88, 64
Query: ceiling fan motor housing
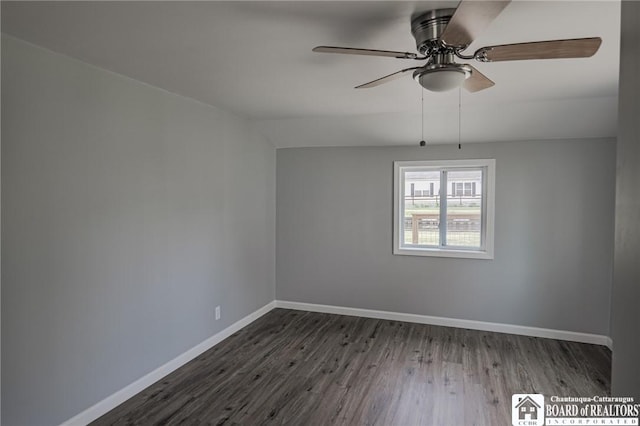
427, 29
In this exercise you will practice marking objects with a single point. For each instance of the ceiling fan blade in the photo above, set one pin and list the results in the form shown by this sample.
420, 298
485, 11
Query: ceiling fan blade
552, 49
477, 81
469, 20
386, 78
366, 52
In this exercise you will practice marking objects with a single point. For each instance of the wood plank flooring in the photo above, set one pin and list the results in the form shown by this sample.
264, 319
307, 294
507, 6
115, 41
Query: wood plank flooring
302, 368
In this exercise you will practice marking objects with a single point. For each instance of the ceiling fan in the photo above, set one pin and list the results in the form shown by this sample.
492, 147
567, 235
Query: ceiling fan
443, 34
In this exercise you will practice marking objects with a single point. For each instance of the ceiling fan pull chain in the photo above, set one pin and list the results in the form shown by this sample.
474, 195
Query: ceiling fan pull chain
422, 141
422, 111
459, 118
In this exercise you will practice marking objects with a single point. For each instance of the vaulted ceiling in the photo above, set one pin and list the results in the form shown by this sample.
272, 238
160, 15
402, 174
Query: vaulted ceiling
255, 59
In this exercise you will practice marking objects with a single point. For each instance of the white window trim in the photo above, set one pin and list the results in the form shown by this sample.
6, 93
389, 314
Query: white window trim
489, 211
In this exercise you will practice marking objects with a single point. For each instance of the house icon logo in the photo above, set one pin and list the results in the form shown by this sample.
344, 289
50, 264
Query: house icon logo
527, 409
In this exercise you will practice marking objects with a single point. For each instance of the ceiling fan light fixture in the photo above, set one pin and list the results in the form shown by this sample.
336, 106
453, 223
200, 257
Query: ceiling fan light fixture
442, 78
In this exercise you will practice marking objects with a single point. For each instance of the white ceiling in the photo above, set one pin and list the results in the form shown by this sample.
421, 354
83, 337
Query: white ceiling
255, 59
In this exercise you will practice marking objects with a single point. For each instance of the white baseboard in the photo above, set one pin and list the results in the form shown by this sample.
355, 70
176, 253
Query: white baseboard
572, 336
109, 403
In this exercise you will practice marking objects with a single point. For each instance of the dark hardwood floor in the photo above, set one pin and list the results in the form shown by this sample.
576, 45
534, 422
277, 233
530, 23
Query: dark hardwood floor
302, 368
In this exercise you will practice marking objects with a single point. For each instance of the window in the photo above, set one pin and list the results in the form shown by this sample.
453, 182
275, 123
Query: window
463, 189
444, 208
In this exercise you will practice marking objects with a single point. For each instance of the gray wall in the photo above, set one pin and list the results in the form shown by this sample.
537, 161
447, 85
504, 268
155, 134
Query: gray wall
553, 237
625, 315
128, 214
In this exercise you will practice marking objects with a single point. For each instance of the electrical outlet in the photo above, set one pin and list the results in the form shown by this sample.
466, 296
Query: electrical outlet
217, 313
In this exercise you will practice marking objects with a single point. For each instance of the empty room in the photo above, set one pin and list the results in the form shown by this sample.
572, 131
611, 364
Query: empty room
320, 213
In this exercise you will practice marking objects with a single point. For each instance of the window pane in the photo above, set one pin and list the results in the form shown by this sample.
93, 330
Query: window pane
467, 188
421, 208
464, 209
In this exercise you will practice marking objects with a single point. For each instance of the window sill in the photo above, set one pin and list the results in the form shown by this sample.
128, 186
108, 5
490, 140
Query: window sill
436, 252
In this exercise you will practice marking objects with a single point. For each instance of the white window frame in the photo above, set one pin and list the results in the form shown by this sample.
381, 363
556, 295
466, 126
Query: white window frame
488, 209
